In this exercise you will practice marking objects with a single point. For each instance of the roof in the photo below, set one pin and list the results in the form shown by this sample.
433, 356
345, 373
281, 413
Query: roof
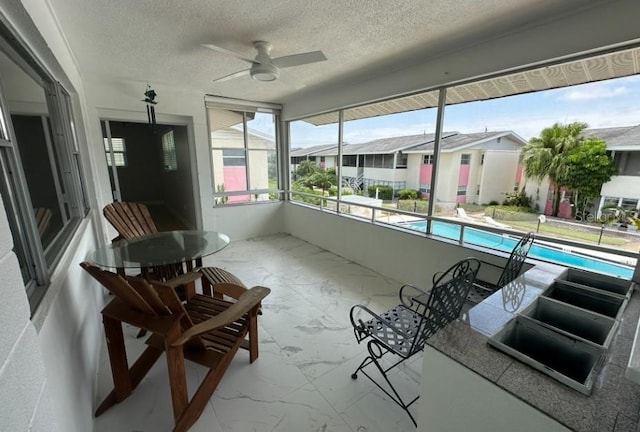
423, 143
617, 138
388, 145
458, 141
313, 150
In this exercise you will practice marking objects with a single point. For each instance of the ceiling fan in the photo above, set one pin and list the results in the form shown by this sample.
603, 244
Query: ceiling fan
265, 68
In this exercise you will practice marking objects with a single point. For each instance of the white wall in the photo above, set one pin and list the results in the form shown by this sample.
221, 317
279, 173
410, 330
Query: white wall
414, 162
454, 398
241, 222
49, 362
24, 389
402, 256
622, 186
498, 175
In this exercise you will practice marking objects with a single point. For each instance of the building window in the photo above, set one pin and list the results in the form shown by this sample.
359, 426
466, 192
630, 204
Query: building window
425, 188
550, 194
119, 152
243, 152
169, 160
378, 161
516, 186
629, 203
401, 161
465, 159
567, 196
462, 190
234, 158
349, 160
427, 159
40, 182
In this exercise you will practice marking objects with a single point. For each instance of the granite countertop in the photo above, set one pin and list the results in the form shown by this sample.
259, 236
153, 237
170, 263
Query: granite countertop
614, 403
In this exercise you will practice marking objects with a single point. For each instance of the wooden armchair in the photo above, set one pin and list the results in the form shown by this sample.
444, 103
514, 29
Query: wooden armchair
43, 217
130, 219
206, 330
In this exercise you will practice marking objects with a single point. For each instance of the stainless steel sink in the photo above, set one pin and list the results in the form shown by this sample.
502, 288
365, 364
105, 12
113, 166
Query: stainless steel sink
568, 359
587, 325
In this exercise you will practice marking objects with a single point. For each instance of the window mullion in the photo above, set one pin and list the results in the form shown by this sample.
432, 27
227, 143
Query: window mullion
54, 169
245, 134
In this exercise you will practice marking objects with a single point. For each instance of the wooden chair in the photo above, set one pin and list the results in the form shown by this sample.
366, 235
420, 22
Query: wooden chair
130, 219
206, 330
43, 217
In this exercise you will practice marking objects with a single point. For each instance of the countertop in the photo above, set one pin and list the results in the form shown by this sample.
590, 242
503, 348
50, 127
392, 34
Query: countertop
614, 403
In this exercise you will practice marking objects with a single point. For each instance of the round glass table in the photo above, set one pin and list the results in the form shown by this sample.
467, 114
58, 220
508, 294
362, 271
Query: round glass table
161, 249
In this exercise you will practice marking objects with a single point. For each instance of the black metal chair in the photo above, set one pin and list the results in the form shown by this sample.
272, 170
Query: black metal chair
483, 289
403, 330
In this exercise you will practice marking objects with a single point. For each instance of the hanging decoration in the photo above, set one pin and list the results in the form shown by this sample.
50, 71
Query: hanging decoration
149, 99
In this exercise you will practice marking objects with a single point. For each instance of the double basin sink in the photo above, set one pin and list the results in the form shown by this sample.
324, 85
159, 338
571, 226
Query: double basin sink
566, 332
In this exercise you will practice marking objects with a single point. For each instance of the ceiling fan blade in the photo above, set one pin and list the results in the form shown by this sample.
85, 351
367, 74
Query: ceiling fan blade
291, 81
229, 52
232, 76
299, 59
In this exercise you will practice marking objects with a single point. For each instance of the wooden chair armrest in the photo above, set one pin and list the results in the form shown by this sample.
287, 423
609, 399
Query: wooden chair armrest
183, 279
245, 303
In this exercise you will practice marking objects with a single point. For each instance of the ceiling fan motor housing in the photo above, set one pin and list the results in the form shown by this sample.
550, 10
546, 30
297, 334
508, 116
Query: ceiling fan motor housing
264, 72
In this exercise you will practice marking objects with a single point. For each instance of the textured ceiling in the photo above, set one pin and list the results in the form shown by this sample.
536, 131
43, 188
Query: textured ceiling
159, 40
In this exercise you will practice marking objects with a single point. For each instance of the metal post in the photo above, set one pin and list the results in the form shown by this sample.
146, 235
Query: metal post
442, 101
601, 232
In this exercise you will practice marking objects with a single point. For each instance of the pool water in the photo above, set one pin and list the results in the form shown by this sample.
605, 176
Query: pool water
497, 241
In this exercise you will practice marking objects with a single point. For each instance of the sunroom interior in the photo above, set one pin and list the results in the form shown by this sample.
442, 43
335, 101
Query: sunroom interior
72, 68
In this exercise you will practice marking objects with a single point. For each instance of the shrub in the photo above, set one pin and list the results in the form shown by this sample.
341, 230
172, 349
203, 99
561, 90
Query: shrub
517, 199
384, 192
409, 194
416, 206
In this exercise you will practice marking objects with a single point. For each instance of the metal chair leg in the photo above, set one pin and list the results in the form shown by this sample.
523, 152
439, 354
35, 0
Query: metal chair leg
376, 352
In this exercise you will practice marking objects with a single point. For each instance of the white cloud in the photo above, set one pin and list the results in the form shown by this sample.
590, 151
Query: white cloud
592, 92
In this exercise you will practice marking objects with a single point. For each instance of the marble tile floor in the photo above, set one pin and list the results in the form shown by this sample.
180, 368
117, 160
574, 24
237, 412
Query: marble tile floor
301, 381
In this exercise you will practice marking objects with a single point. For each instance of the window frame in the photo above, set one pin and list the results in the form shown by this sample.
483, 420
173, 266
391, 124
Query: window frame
247, 107
111, 152
169, 156
37, 262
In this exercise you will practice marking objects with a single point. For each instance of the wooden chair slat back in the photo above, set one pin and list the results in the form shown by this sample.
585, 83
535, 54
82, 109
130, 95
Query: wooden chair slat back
43, 217
131, 220
149, 294
173, 303
117, 285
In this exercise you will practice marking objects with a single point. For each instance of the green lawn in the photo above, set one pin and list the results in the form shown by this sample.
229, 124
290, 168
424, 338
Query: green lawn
567, 233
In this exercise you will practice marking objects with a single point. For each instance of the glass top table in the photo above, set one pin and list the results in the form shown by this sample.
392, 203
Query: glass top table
161, 249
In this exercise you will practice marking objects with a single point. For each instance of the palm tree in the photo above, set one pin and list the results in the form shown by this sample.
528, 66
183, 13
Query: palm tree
543, 155
324, 179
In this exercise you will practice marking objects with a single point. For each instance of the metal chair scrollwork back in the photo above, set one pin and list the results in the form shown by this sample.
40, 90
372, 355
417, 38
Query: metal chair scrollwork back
483, 289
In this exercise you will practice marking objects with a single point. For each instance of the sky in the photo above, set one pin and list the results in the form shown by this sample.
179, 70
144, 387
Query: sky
601, 104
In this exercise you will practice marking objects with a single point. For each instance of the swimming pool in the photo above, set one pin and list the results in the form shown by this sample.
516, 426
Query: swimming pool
497, 241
